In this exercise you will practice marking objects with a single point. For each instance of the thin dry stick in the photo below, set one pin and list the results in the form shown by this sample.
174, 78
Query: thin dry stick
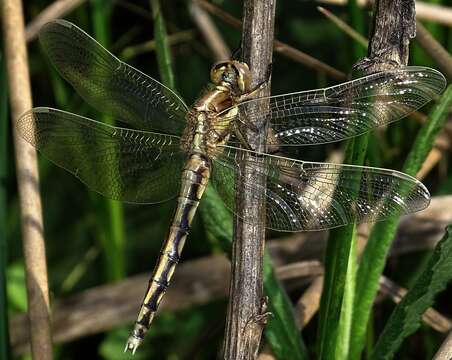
418, 116
56, 10
309, 302
390, 37
431, 316
440, 148
210, 33
434, 49
344, 26
246, 309
445, 351
149, 46
107, 306
28, 183
424, 11
279, 46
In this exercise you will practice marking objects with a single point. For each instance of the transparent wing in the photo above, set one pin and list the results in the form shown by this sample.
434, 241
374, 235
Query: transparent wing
345, 110
108, 84
121, 164
313, 196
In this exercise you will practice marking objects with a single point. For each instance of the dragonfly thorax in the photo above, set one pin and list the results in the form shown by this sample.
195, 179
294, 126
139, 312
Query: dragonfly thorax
207, 121
201, 135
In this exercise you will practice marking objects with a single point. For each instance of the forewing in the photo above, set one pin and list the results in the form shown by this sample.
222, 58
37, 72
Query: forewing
303, 196
122, 164
345, 110
110, 85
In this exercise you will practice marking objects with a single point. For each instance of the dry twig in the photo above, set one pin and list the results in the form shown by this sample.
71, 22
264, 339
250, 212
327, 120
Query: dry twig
148, 46
105, 307
344, 26
279, 46
28, 183
424, 11
445, 351
210, 33
431, 317
246, 315
432, 47
55, 10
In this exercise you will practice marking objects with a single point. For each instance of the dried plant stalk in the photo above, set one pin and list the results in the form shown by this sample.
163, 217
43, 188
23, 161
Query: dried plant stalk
55, 10
246, 310
28, 183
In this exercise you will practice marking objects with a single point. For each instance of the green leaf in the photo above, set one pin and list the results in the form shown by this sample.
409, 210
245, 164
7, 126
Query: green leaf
111, 228
335, 312
162, 48
17, 293
357, 20
374, 256
281, 331
406, 317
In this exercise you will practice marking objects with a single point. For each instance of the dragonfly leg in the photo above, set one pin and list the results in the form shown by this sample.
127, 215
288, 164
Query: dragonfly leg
237, 52
258, 88
242, 139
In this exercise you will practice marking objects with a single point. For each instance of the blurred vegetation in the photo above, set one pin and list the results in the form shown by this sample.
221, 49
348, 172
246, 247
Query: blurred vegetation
91, 240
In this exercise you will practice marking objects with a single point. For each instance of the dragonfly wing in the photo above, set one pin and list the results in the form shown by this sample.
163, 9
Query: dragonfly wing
303, 196
345, 110
122, 164
110, 85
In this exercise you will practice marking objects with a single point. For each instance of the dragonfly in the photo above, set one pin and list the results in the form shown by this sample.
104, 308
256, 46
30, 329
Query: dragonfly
162, 149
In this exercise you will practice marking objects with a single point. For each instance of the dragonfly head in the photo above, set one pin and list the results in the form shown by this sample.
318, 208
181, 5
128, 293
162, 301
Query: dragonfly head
233, 73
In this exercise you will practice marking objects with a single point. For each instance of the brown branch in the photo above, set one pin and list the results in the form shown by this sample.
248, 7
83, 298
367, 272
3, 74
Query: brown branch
431, 317
105, 307
210, 33
56, 10
246, 309
445, 351
279, 46
102, 308
344, 26
149, 46
28, 182
394, 27
434, 49
424, 11
441, 146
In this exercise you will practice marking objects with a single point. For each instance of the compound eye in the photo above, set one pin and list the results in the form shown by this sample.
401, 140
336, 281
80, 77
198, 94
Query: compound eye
217, 74
227, 76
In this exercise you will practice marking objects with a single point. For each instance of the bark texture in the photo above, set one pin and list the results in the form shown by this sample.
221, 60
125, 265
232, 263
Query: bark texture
394, 25
28, 183
246, 310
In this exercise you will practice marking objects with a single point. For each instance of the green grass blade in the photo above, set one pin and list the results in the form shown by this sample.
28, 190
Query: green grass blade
162, 48
357, 21
374, 256
335, 312
281, 331
111, 227
4, 336
406, 317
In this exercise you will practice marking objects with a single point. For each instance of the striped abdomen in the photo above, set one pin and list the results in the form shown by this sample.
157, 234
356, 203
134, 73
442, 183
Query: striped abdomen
194, 180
